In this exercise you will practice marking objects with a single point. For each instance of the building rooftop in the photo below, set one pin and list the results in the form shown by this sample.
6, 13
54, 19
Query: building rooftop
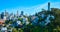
1, 21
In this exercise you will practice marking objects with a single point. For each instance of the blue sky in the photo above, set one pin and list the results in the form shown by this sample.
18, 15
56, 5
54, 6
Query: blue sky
28, 6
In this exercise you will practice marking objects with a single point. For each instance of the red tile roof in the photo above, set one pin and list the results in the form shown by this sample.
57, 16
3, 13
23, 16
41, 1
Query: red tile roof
1, 21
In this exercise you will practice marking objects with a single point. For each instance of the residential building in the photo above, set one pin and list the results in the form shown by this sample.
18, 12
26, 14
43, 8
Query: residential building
4, 29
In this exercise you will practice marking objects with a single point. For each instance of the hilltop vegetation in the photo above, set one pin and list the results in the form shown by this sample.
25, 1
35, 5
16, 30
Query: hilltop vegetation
52, 26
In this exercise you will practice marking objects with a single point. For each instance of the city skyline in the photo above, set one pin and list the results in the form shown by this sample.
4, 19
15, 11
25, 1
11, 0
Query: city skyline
28, 6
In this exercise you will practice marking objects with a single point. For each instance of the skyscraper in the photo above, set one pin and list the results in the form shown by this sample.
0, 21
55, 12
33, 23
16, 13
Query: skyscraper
2, 15
17, 14
48, 6
22, 12
5, 13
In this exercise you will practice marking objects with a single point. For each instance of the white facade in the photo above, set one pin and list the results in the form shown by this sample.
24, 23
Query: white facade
4, 29
19, 22
5, 18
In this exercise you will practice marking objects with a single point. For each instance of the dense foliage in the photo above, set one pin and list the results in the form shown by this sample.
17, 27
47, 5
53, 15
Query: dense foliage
53, 26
